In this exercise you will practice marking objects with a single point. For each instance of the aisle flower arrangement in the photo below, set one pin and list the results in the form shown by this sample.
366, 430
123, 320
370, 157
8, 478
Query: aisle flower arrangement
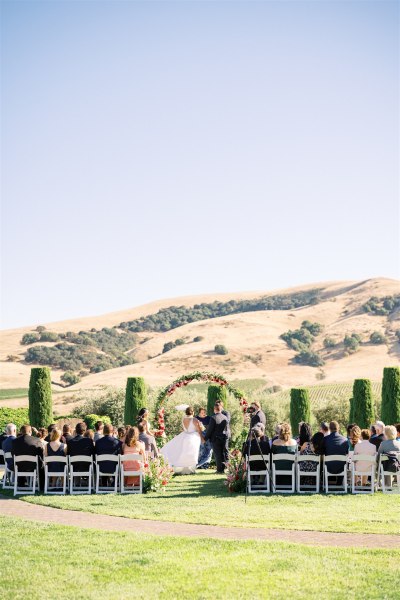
157, 474
236, 472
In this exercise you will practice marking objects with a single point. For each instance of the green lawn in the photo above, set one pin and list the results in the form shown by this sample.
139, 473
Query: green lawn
43, 561
13, 393
203, 498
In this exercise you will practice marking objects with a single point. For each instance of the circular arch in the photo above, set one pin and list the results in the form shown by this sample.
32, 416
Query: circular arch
183, 381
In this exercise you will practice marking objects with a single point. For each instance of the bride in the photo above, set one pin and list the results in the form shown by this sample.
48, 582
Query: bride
182, 452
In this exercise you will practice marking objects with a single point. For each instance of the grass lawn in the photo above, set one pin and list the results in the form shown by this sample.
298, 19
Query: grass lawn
13, 393
203, 498
42, 561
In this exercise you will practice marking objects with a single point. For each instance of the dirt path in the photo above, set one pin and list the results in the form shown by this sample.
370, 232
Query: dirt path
17, 508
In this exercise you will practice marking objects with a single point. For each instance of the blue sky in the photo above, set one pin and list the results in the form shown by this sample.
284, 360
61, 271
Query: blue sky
157, 149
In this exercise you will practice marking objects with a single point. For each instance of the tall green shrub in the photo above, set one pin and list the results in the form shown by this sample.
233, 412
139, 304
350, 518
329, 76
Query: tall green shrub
40, 400
214, 393
390, 410
135, 398
363, 404
299, 407
351, 412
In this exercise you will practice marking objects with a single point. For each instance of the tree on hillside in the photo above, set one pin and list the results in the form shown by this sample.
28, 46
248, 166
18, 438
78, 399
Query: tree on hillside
390, 411
135, 399
299, 408
40, 398
363, 405
216, 393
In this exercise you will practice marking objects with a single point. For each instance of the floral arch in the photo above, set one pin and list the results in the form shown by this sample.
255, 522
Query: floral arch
183, 381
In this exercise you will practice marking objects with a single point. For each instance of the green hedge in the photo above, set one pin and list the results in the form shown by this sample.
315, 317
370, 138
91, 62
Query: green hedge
363, 404
18, 416
214, 393
390, 411
135, 398
299, 408
91, 420
40, 399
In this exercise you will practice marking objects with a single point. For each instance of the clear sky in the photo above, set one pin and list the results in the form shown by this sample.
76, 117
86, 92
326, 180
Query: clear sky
157, 149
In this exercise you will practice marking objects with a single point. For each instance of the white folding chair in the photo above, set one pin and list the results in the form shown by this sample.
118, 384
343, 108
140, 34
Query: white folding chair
132, 489
74, 473
335, 488
369, 487
386, 479
264, 474
61, 477
282, 487
107, 489
303, 488
8, 476
32, 477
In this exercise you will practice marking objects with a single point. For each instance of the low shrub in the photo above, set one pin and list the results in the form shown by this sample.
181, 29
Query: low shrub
91, 420
220, 349
377, 338
18, 416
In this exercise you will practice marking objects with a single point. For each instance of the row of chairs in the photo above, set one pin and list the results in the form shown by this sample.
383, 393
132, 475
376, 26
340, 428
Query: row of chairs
350, 476
79, 474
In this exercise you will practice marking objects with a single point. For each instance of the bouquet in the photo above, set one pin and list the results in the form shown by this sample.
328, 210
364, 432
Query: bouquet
157, 474
236, 472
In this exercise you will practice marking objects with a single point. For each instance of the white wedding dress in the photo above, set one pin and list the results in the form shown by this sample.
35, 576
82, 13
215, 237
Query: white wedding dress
182, 452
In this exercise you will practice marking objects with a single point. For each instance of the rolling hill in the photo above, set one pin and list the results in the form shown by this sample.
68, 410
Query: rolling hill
251, 336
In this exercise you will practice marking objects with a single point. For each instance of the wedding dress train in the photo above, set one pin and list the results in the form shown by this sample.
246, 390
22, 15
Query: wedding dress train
182, 452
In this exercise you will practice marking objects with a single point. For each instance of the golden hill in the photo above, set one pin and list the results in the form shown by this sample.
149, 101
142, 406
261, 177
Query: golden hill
253, 340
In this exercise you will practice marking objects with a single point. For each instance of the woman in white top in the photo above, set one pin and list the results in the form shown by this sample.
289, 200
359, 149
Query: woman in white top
362, 445
182, 451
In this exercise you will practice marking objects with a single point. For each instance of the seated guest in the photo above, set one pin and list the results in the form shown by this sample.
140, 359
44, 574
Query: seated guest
305, 434
379, 437
362, 445
89, 433
49, 430
334, 444
55, 448
324, 428
26, 444
285, 444
67, 434
42, 436
390, 447
398, 431
148, 440
277, 432
315, 447
258, 444
98, 426
132, 445
10, 436
121, 434
348, 429
107, 444
80, 446
3, 436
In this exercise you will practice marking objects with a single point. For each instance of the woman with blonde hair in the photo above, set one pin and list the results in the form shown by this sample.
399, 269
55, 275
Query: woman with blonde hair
132, 445
360, 441
285, 444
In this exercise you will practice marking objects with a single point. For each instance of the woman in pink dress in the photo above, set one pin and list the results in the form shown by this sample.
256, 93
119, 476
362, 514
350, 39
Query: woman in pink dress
133, 446
362, 445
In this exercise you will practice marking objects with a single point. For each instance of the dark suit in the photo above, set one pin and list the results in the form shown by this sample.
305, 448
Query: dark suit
334, 443
218, 432
258, 417
66, 438
107, 445
3, 437
32, 446
7, 447
377, 440
80, 446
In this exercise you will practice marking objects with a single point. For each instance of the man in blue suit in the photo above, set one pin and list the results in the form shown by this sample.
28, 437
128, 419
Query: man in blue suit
335, 444
108, 444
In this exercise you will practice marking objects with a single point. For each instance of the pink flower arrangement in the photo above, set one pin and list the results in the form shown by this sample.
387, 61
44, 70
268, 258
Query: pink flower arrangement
236, 472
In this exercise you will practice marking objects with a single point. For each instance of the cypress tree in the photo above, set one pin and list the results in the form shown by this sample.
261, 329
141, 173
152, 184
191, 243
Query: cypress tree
135, 398
390, 411
214, 393
299, 407
40, 400
351, 413
363, 404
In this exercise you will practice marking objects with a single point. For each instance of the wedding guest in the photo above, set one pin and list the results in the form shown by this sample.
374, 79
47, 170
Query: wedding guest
335, 444
98, 426
257, 415
348, 429
49, 430
258, 444
9, 436
121, 434
390, 447
89, 433
305, 434
324, 428
42, 436
314, 447
148, 440
379, 437
132, 445
67, 434
373, 433
398, 431
80, 446
27, 445
277, 432
284, 444
362, 445
55, 447
107, 444
3, 436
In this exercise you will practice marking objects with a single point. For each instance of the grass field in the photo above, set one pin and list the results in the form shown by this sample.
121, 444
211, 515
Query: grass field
42, 561
13, 393
203, 498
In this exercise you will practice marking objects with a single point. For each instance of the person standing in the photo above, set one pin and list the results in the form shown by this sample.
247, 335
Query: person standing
205, 452
257, 415
218, 432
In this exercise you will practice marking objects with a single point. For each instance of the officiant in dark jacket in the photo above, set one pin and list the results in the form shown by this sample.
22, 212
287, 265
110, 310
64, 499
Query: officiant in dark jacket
218, 432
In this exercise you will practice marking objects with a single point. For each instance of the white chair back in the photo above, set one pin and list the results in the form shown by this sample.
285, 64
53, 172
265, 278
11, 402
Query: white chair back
107, 489
32, 476
60, 477
74, 473
134, 489
262, 487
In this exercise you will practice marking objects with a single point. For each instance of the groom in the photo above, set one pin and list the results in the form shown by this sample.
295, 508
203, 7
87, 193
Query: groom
218, 432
